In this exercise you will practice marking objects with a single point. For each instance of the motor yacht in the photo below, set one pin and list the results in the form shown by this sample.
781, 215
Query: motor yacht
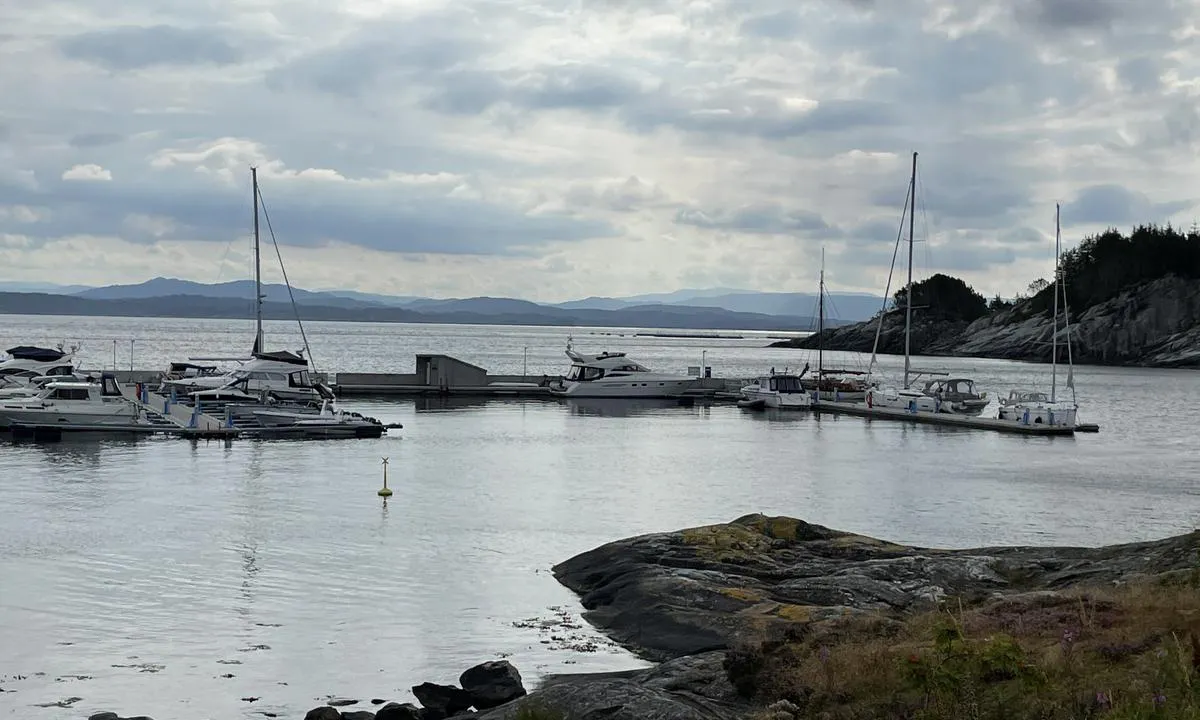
328, 422
613, 375
26, 362
35, 385
957, 395
72, 405
777, 390
282, 375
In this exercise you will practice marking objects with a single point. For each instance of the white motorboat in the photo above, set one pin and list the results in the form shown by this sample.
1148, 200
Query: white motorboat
957, 395
282, 375
777, 390
329, 421
26, 362
72, 405
613, 375
37, 384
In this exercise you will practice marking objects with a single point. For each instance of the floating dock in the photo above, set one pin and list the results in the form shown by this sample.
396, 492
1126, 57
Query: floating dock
446, 375
944, 419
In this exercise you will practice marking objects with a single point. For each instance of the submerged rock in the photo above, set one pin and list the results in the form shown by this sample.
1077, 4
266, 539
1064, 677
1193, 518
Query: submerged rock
491, 684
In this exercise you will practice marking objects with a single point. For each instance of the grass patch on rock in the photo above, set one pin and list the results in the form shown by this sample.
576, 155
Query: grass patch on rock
1126, 653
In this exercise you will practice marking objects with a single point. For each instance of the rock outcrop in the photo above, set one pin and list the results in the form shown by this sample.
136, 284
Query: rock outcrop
1155, 325
672, 594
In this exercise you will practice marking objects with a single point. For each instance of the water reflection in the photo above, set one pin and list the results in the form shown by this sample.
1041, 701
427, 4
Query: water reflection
620, 407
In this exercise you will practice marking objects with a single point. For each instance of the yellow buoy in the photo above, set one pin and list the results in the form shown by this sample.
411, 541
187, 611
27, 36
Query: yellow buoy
385, 491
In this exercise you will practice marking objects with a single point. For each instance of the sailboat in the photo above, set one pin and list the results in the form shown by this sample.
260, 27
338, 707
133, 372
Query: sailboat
280, 375
1030, 407
837, 385
903, 397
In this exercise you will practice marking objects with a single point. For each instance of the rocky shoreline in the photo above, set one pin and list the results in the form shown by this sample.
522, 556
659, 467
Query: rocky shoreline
695, 599
1154, 325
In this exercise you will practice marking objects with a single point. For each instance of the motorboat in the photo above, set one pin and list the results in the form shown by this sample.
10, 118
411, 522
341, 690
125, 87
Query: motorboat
778, 390
957, 395
613, 375
283, 375
35, 385
72, 405
328, 422
1030, 407
26, 362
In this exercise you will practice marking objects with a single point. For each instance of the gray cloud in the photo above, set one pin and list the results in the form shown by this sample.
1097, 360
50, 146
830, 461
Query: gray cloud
1116, 205
133, 47
91, 140
379, 219
767, 218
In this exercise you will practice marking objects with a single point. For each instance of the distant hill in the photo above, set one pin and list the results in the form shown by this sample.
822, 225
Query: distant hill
481, 311
845, 307
840, 306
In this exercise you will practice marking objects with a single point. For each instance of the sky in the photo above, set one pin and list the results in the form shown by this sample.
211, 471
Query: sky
557, 149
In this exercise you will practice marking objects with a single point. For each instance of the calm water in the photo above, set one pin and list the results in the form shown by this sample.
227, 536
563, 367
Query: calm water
153, 568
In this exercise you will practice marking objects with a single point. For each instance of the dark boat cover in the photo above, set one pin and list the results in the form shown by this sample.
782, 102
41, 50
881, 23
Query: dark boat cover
29, 352
282, 356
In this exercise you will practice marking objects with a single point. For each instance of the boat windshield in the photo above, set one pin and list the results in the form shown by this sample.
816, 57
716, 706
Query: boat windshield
583, 373
786, 384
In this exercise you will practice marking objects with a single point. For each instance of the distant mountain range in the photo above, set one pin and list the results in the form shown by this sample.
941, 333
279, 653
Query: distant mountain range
717, 308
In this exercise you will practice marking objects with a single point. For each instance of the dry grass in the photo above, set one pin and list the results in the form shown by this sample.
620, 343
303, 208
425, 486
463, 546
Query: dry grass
1128, 653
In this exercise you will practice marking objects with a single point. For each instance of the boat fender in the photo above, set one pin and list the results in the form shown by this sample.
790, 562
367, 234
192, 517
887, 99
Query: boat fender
870, 395
912, 406
1025, 417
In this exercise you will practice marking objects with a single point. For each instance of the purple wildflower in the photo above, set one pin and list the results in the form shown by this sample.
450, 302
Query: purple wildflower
824, 654
1103, 701
1160, 699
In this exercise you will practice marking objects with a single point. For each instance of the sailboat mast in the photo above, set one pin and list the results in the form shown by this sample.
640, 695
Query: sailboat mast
912, 214
821, 324
1054, 331
258, 297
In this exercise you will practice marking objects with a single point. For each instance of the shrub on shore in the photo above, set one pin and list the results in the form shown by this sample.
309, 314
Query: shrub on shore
1126, 653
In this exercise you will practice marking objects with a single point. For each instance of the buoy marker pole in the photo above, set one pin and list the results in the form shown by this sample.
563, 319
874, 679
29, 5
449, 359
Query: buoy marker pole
385, 491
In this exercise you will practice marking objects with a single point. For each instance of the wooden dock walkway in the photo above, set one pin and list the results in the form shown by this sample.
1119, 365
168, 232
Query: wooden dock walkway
944, 419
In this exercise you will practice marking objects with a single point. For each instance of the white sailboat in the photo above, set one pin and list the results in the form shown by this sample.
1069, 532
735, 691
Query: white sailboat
903, 397
1030, 407
281, 375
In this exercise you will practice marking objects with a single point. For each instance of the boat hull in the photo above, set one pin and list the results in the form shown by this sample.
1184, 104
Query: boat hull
76, 419
1039, 414
778, 400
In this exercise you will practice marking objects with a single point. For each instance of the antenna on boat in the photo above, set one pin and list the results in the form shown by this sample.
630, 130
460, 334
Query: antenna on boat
912, 216
258, 296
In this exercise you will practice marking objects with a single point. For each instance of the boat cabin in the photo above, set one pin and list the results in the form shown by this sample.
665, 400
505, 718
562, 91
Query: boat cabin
951, 388
75, 390
585, 369
1026, 397
784, 384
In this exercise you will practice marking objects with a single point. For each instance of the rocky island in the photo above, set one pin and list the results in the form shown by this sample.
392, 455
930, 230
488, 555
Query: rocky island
774, 618
1133, 300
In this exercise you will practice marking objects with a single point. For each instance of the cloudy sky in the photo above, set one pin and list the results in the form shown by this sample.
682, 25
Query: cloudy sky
553, 149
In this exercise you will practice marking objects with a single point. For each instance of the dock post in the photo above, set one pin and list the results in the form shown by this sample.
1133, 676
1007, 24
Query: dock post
195, 420
145, 394
173, 398
228, 416
166, 406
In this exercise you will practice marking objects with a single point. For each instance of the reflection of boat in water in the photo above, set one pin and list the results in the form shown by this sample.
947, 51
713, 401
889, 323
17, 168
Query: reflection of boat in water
622, 407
